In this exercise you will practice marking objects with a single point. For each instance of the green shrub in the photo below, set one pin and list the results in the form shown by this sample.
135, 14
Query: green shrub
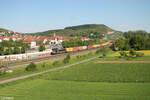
98, 51
122, 53
67, 59
55, 63
139, 54
43, 65
78, 56
2, 71
31, 67
132, 52
90, 53
42, 47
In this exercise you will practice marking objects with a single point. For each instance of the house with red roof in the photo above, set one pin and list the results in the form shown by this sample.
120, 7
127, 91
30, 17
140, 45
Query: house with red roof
85, 39
56, 39
31, 41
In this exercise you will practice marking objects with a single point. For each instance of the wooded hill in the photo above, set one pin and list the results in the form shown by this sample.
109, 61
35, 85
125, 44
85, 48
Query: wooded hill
3, 30
88, 30
6, 32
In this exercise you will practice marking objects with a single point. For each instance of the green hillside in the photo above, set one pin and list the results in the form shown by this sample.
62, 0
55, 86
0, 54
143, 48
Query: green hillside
88, 30
3, 30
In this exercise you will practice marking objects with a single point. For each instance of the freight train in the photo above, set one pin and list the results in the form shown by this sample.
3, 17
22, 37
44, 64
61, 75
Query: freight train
49, 52
79, 48
25, 56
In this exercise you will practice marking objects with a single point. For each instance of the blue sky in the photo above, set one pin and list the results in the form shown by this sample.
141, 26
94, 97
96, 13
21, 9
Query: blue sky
41, 15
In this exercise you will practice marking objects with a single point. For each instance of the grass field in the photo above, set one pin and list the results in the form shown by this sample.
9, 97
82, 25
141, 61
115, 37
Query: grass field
86, 81
48, 65
41, 89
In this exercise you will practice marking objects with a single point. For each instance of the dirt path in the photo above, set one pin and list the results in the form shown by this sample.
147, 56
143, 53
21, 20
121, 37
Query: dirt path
39, 73
123, 62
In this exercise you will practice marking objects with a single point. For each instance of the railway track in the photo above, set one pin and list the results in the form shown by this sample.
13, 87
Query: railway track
49, 58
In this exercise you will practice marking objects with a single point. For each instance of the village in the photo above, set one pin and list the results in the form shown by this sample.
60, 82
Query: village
30, 47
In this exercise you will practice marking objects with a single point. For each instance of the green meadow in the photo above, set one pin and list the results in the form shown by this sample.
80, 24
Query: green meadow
86, 81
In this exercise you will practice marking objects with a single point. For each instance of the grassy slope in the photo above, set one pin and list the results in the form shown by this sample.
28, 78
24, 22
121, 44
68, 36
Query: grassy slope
69, 90
87, 28
97, 72
76, 83
48, 65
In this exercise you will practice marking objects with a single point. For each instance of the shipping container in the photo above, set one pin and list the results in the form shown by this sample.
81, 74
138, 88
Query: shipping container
110, 44
84, 47
75, 48
69, 49
89, 47
80, 47
101, 45
33, 55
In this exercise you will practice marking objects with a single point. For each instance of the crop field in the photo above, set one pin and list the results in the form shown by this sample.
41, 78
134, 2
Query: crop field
41, 89
103, 72
146, 53
86, 81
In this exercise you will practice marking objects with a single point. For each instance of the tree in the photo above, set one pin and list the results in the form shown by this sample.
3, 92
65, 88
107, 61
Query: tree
1, 50
104, 51
16, 50
132, 52
137, 42
120, 44
8, 51
31, 67
66, 60
42, 47
123, 54
23, 49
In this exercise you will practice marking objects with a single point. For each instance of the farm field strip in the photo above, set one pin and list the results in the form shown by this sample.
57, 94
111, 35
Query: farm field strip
146, 53
123, 62
71, 90
86, 80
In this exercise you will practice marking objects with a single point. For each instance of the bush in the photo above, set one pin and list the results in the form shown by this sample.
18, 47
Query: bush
42, 47
123, 54
90, 53
55, 63
132, 52
98, 51
78, 56
104, 54
31, 67
2, 71
66, 60
43, 65
139, 54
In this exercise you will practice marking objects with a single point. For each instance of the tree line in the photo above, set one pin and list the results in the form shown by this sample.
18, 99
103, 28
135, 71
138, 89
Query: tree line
12, 47
137, 40
75, 43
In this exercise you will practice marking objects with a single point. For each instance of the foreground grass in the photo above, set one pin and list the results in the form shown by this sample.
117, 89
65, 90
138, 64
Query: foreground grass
86, 81
47, 65
103, 72
41, 89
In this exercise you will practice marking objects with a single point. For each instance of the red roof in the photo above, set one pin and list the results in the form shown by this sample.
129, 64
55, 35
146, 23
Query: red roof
56, 37
42, 38
29, 40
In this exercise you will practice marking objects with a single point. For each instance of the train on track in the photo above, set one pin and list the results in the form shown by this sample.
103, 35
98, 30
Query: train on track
25, 56
54, 51
79, 48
